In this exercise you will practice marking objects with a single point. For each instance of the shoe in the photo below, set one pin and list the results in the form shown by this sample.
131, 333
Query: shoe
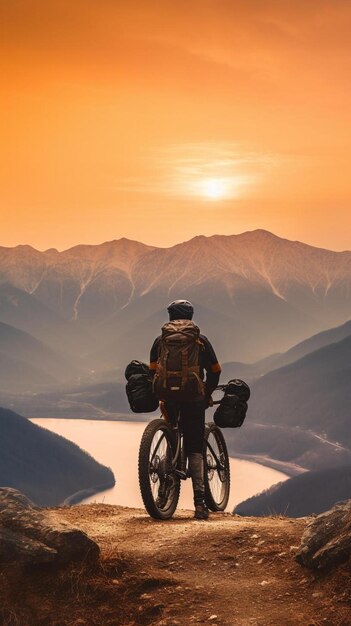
201, 511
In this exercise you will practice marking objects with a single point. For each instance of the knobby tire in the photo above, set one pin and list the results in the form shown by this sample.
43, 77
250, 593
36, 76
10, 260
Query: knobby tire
145, 480
217, 483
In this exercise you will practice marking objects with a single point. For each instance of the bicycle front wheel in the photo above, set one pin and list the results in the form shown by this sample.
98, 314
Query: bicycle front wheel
159, 485
217, 470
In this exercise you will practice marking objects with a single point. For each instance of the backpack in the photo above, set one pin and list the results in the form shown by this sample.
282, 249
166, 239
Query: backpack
232, 409
139, 390
177, 376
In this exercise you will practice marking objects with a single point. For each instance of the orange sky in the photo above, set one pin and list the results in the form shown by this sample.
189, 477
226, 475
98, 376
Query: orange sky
160, 120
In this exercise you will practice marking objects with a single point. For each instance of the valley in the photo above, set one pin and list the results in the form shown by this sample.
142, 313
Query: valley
276, 311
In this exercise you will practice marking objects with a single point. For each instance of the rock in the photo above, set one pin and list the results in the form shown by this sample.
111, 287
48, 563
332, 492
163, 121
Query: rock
29, 534
13, 547
326, 541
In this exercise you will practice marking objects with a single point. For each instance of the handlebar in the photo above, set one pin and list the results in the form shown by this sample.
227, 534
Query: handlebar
226, 386
220, 388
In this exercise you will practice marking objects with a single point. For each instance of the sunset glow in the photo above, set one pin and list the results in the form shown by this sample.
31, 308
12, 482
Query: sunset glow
220, 188
214, 188
114, 115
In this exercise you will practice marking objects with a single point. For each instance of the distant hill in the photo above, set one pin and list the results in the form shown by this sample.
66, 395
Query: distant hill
293, 448
23, 310
255, 294
17, 375
311, 344
275, 361
99, 400
311, 393
25, 360
308, 493
248, 371
46, 467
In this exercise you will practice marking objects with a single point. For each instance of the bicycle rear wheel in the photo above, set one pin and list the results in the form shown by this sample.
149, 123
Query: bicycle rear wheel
217, 470
159, 485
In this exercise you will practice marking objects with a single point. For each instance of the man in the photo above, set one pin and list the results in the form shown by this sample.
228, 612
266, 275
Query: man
191, 412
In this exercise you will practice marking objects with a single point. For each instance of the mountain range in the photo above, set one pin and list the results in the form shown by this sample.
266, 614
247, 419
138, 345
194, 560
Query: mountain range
75, 318
254, 294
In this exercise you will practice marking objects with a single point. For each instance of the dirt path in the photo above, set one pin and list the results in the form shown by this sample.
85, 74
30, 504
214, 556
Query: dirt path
227, 571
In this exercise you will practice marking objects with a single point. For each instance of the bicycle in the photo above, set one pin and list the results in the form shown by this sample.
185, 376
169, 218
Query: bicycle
163, 465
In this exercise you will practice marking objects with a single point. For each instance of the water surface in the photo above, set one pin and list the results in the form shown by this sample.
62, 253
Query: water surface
116, 445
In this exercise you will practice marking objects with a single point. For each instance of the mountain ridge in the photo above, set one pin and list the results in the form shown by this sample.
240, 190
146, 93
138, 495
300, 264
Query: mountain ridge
314, 390
262, 231
268, 292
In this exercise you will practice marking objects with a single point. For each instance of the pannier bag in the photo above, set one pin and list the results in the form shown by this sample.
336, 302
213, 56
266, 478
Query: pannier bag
232, 409
139, 390
177, 374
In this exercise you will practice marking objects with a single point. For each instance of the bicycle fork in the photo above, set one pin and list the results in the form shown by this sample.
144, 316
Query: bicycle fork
179, 461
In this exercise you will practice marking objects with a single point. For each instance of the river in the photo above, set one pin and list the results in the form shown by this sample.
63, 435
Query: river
116, 445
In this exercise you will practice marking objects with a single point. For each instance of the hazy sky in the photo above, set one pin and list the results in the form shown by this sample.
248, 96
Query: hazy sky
159, 120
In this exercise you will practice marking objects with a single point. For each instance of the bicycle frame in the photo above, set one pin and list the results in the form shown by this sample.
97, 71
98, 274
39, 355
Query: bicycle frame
179, 472
219, 466
163, 464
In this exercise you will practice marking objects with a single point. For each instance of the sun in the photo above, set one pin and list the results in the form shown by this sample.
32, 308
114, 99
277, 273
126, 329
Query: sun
214, 188
217, 188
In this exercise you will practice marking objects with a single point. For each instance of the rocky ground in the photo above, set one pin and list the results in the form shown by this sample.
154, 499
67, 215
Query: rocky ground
228, 571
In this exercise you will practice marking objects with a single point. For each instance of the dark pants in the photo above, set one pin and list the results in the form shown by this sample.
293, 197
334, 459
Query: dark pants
192, 422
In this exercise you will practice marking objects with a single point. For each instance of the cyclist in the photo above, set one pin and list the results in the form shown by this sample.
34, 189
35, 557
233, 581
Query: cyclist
191, 413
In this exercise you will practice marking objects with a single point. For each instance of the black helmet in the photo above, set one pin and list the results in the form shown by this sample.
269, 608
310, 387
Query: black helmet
180, 310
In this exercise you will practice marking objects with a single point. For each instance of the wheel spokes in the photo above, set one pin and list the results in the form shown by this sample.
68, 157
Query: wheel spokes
216, 459
161, 483
216, 471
